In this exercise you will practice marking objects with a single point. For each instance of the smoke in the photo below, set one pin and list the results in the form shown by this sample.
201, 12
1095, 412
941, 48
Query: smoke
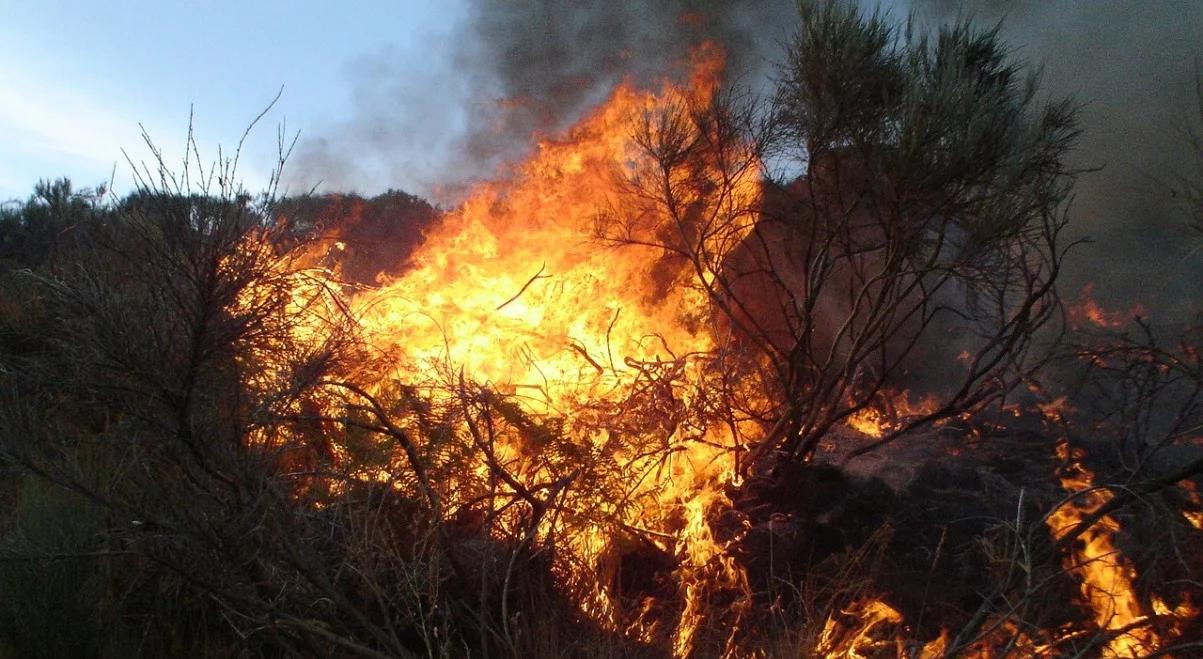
430, 119
1132, 68
407, 108
552, 59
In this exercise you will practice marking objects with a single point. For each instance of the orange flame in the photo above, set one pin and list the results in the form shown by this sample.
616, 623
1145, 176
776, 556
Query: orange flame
1107, 578
1194, 514
893, 411
856, 642
1088, 312
512, 291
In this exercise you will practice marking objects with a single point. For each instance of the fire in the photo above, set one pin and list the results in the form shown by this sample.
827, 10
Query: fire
1089, 312
892, 413
705, 564
512, 303
513, 289
856, 642
1107, 578
512, 292
867, 628
1194, 514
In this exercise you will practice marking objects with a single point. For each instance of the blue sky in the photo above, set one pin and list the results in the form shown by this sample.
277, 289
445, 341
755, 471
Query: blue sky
76, 78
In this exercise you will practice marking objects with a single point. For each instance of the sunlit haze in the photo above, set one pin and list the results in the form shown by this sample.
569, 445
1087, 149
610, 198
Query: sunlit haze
77, 78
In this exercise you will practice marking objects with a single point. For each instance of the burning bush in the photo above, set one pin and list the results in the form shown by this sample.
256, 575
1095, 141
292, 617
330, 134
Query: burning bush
625, 401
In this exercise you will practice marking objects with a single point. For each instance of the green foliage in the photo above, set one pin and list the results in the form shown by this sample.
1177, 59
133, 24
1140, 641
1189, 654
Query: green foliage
56, 214
842, 76
943, 126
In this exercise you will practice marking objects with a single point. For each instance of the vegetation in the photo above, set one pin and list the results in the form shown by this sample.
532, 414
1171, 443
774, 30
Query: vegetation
931, 202
203, 454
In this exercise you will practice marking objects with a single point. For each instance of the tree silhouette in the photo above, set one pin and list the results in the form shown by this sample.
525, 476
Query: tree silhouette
912, 202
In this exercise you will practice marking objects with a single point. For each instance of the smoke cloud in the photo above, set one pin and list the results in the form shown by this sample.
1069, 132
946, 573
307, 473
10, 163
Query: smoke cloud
430, 119
518, 69
1132, 68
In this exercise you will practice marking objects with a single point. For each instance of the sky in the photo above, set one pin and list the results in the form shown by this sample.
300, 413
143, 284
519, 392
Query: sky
77, 78
404, 94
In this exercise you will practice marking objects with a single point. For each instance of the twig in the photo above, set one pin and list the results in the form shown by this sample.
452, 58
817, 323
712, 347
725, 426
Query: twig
538, 275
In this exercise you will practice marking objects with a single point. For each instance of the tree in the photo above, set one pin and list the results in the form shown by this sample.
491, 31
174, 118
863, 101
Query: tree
913, 190
30, 230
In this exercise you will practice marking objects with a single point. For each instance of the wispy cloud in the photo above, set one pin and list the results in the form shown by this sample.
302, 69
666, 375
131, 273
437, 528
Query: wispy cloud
46, 125
40, 117
51, 130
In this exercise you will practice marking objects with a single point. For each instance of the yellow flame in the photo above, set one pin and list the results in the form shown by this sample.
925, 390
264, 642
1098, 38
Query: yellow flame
1106, 576
1193, 515
513, 291
893, 409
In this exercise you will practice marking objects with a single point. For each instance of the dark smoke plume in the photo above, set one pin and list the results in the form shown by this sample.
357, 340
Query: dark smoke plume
517, 69
1132, 66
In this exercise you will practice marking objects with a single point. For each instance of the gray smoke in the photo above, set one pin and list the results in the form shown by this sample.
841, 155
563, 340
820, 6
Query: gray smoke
516, 69
1132, 66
